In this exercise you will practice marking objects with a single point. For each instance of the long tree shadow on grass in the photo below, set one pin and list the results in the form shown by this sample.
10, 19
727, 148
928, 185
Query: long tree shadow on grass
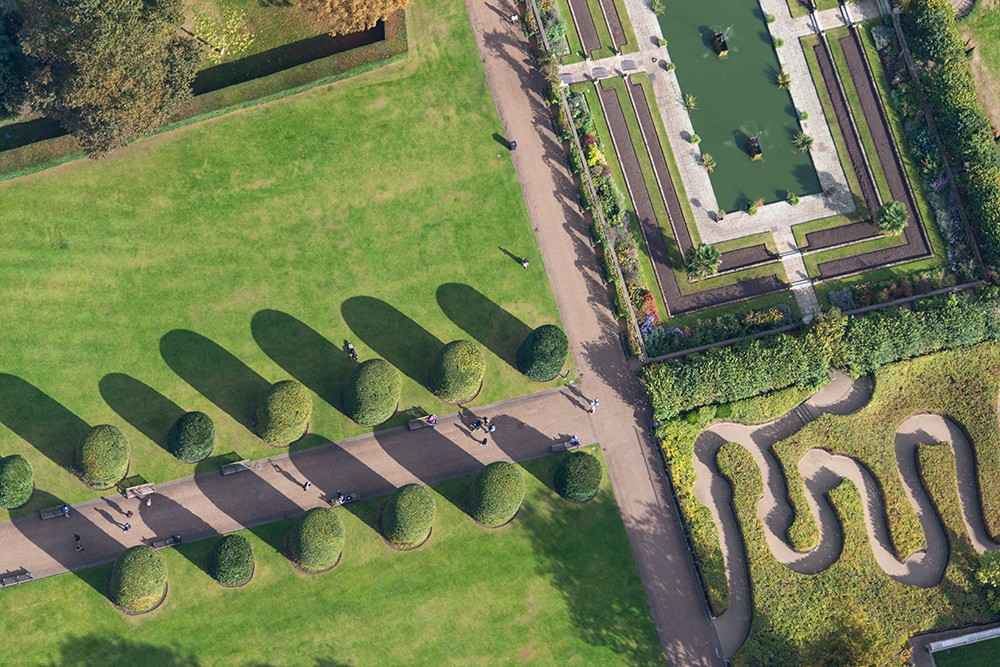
41, 420
166, 517
89, 650
149, 411
584, 550
215, 373
304, 353
392, 335
477, 315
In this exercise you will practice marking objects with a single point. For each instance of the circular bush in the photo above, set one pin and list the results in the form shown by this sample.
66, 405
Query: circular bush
230, 562
102, 456
496, 494
17, 481
317, 539
372, 392
408, 515
283, 414
458, 371
578, 476
138, 579
192, 437
543, 352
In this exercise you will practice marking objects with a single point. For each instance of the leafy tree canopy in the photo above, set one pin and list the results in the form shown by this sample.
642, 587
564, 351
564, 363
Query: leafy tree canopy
340, 17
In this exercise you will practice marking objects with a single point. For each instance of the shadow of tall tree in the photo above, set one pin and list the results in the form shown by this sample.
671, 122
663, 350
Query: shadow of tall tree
40, 420
215, 373
91, 650
477, 315
304, 353
166, 517
149, 411
392, 335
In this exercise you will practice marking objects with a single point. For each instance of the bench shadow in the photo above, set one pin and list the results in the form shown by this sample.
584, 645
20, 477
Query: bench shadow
149, 411
304, 353
40, 420
522, 442
392, 335
215, 373
477, 315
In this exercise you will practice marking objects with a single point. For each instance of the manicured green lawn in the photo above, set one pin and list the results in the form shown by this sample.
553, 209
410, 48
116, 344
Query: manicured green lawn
981, 654
983, 25
272, 23
192, 269
558, 586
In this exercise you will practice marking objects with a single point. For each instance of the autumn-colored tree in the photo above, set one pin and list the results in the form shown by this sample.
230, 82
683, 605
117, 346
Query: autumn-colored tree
341, 17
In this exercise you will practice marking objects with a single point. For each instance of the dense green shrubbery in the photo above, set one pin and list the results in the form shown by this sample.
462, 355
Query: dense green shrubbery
408, 515
230, 562
496, 494
283, 414
192, 437
138, 579
458, 371
543, 353
372, 392
102, 456
17, 481
316, 539
578, 476
860, 345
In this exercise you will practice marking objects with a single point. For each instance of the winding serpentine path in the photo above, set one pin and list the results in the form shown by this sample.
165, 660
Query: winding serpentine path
822, 471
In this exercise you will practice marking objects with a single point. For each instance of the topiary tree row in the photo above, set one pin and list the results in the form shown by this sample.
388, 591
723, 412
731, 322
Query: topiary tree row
283, 414
316, 540
230, 562
496, 494
457, 372
372, 392
578, 476
17, 481
138, 579
102, 456
408, 515
192, 437
543, 353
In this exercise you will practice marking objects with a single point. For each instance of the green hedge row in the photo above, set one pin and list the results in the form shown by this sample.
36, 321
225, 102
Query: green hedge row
408, 515
496, 494
17, 481
102, 456
283, 413
316, 539
857, 344
230, 562
578, 476
138, 579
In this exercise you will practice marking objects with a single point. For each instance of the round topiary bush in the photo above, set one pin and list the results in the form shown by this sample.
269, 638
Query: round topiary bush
457, 372
17, 481
138, 579
230, 562
192, 437
316, 539
372, 392
578, 476
102, 456
543, 352
496, 494
283, 414
408, 515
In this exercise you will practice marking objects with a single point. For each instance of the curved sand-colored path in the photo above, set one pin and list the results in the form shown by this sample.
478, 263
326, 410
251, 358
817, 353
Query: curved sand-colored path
822, 471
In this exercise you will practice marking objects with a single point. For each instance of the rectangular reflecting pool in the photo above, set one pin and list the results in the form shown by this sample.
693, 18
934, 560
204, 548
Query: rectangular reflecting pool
737, 99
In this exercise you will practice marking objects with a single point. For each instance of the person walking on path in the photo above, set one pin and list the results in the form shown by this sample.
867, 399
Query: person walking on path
79, 547
65, 511
492, 428
76, 538
593, 405
484, 442
478, 425
149, 502
126, 527
306, 485
524, 262
129, 514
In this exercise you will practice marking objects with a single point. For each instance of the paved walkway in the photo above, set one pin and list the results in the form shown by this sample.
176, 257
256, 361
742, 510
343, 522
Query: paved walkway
652, 520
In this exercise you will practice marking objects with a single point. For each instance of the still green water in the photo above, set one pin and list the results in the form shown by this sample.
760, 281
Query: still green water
738, 97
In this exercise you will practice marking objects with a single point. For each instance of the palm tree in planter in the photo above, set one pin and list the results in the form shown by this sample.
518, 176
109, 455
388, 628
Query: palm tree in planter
708, 162
784, 80
701, 261
891, 219
803, 141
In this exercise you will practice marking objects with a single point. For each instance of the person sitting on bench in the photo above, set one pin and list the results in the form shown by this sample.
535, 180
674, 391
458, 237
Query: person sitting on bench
340, 497
574, 441
432, 420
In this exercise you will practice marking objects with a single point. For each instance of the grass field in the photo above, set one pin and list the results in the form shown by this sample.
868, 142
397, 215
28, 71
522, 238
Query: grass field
795, 615
192, 269
558, 586
981, 654
983, 26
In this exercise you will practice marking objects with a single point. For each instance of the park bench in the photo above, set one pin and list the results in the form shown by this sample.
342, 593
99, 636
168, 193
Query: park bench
140, 491
53, 512
235, 467
14, 578
348, 498
165, 542
565, 446
420, 422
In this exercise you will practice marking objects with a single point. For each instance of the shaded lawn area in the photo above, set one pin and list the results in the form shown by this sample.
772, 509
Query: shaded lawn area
273, 22
192, 269
980, 654
557, 586
983, 26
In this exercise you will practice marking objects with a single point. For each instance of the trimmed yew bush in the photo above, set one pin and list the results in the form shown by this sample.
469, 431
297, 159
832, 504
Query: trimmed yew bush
408, 515
543, 352
283, 414
17, 481
316, 539
458, 371
578, 476
496, 494
192, 437
102, 456
372, 392
230, 562
138, 579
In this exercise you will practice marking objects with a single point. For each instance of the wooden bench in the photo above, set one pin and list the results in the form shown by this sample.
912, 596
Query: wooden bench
235, 467
140, 491
14, 578
565, 446
348, 498
53, 512
165, 542
420, 422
